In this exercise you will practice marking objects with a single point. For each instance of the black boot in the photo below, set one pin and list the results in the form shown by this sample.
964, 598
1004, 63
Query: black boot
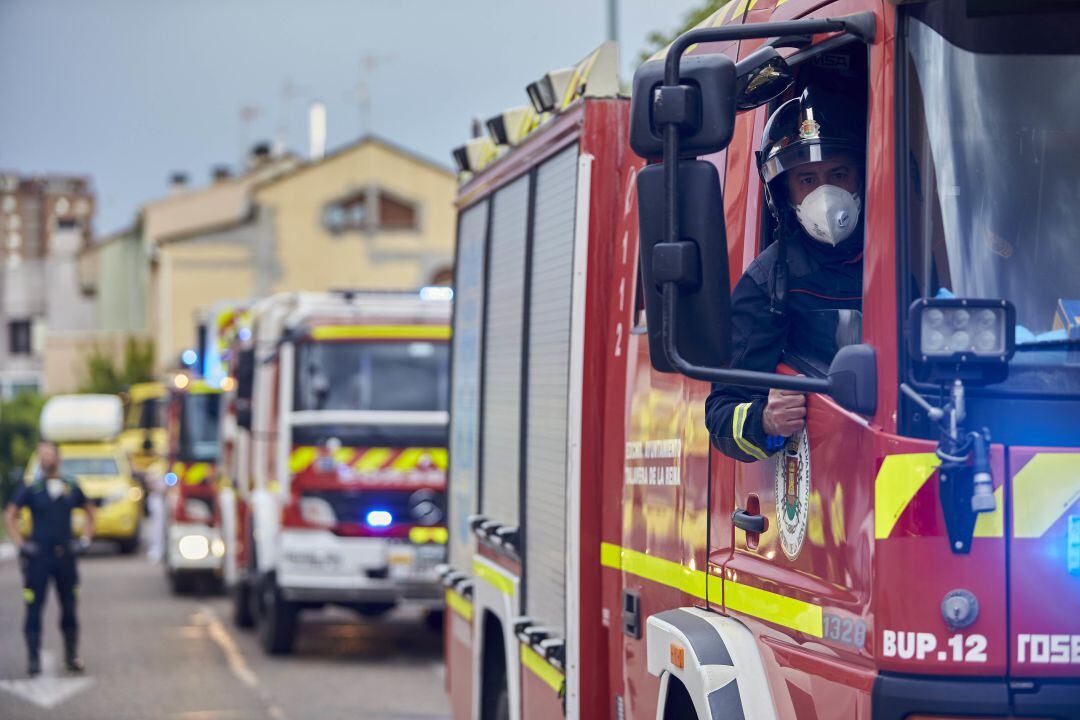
72, 663
33, 651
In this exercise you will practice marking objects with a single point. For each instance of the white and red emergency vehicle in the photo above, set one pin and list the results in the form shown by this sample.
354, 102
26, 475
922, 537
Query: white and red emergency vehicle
335, 449
915, 552
193, 543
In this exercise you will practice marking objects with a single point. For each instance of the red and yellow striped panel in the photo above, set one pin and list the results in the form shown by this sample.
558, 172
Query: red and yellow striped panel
193, 473
375, 465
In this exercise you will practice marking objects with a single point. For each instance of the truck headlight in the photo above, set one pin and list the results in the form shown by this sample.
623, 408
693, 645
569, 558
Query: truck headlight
961, 338
316, 511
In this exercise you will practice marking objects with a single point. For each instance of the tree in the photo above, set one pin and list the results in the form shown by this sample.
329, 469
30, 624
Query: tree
102, 374
657, 40
18, 435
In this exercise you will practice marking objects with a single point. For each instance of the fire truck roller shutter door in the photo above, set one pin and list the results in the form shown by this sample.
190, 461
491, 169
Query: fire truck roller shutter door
551, 275
504, 311
465, 392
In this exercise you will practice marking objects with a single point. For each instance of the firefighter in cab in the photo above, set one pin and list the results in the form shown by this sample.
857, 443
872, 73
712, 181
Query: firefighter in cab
50, 551
807, 282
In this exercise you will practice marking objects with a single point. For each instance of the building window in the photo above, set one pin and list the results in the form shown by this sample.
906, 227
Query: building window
395, 214
19, 337
369, 211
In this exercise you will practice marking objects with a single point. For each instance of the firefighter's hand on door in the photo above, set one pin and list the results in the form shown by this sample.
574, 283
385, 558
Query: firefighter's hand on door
785, 413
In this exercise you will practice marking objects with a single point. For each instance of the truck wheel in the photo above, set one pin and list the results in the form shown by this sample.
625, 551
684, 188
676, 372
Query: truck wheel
130, 545
241, 605
179, 583
277, 625
434, 620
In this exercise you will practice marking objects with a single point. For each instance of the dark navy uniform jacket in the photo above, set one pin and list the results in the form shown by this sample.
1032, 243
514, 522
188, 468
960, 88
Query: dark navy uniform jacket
51, 518
820, 278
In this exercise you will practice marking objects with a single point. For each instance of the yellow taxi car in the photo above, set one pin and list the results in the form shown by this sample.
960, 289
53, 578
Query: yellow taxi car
104, 474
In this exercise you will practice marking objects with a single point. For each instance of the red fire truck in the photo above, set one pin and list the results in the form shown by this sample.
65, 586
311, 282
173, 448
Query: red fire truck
335, 447
915, 552
193, 542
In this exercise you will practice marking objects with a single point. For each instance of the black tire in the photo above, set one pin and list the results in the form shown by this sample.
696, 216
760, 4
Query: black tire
277, 623
434, 620
180, 583
243, 617
130, 545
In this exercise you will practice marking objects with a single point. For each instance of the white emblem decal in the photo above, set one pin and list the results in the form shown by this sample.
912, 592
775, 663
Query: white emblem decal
793, 493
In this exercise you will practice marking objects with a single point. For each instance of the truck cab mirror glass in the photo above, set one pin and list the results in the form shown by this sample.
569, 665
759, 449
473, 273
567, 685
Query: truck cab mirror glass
704, 109
761, 77
697, 264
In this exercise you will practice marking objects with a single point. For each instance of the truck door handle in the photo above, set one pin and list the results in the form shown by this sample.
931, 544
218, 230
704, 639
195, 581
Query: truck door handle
751, 523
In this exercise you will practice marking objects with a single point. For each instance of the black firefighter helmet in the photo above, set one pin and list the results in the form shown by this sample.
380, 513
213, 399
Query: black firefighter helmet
813, 127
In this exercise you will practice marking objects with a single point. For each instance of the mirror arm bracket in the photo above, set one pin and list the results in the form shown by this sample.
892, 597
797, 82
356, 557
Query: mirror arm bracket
728, 376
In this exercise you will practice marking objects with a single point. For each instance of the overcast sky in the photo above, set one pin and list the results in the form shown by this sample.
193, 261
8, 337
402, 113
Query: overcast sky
128, 91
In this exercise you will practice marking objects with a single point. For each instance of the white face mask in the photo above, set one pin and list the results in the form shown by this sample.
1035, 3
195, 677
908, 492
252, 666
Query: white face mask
829, 214
54, 487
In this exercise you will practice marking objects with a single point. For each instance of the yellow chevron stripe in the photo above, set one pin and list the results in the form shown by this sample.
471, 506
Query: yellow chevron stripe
301, 459
407, 460
899, 478
196, 473
542, 669
372, 460
344, 456
439, 457
1044, 490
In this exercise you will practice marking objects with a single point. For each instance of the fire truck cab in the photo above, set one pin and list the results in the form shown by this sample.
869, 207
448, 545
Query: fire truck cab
336, 449
915, 551
194, 547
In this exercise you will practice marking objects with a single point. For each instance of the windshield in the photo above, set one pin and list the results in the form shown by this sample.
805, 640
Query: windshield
88, 466
199, 427
371, 376
145, 414
995, 189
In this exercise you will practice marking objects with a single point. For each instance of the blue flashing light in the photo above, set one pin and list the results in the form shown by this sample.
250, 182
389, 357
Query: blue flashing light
170, 478
379, 519
189, 357
435, 292
244, 334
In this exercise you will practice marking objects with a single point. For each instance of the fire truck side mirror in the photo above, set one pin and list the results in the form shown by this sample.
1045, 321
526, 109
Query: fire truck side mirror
703, 106
697, 264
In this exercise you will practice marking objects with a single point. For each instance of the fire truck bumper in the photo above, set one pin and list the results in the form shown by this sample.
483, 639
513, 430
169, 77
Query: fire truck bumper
897, 696
318, 566
194, 547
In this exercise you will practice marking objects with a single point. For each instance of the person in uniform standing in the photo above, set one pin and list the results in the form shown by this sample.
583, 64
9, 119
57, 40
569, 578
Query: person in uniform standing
50, 552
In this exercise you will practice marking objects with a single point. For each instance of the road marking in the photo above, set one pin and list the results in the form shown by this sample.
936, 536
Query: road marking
237, 664
49, 689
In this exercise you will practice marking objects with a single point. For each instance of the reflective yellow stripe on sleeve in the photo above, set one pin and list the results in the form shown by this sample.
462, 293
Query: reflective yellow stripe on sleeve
738, 420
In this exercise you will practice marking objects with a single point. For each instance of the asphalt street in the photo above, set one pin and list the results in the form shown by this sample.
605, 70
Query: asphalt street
151, 655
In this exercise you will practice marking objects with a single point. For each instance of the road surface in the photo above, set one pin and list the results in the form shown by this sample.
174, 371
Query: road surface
150, 655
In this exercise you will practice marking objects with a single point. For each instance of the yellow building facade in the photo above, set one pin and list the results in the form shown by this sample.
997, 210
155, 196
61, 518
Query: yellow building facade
371, 215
